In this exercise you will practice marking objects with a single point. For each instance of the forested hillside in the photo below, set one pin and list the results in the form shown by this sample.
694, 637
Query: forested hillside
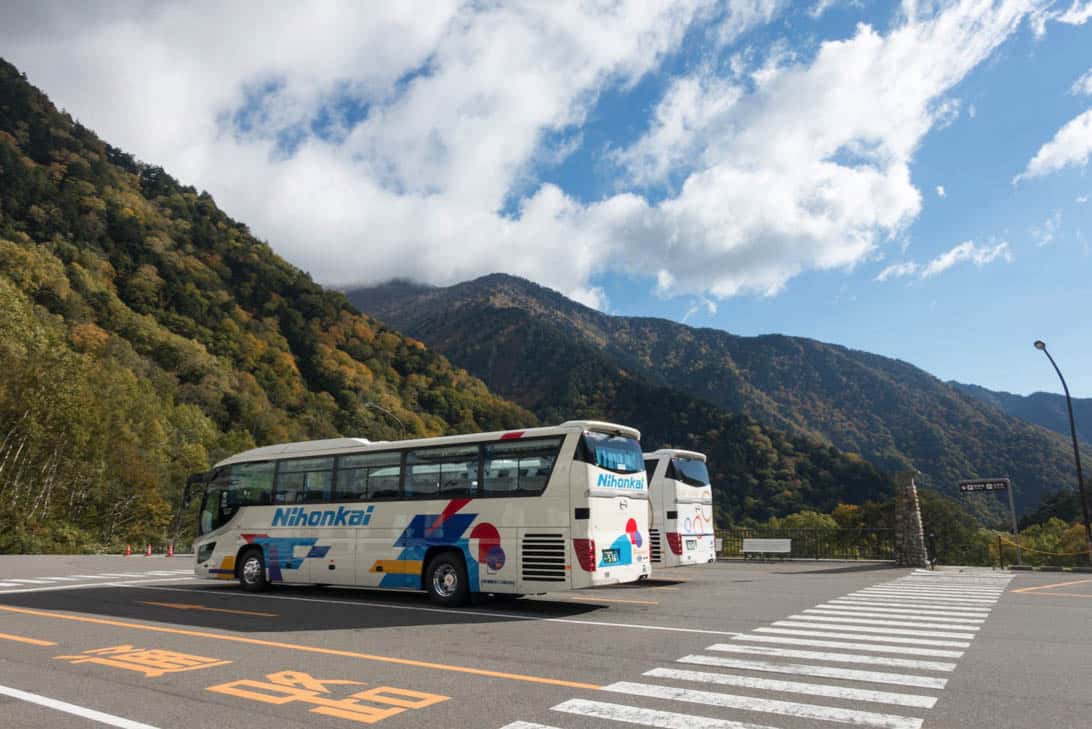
892, 413
1045, 409
522, 352
144, 334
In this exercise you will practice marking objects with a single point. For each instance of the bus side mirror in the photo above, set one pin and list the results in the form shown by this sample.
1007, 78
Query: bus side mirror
192, 482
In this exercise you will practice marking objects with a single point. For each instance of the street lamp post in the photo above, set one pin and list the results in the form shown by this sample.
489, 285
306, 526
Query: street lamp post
394, 417
1041, 346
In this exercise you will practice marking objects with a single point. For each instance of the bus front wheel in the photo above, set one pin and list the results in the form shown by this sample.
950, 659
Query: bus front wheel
446, 581
252, 571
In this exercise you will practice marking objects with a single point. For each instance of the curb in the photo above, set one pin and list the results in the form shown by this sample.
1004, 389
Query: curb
1045, 568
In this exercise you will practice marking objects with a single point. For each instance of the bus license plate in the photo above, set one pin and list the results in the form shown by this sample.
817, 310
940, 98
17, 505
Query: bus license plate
610, 556
691, 543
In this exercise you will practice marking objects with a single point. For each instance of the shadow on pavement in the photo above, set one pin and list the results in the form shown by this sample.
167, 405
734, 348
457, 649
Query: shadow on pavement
873, 567
284, 609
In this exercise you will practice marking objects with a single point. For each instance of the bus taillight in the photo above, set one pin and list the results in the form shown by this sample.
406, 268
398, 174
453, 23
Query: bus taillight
675, 542
585, 553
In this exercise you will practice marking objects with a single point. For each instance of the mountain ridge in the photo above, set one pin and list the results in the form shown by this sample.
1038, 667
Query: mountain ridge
889, 411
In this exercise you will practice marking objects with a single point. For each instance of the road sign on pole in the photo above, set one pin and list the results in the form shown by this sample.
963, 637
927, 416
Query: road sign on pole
995, 484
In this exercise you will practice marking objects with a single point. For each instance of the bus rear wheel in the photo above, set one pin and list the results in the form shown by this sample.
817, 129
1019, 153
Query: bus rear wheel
252, 571
446, 580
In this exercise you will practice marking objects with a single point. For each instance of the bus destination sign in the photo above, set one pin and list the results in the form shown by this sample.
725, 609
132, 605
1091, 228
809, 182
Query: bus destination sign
984, 484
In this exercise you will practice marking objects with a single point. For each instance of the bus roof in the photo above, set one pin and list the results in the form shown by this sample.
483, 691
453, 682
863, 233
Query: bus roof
337, 446
674, 452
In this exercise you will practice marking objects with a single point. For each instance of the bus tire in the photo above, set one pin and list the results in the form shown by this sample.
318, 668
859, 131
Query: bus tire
446, 580
252, 571
642, 578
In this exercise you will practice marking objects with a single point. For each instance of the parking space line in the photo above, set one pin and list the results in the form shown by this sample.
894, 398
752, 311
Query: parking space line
1056, 584
75, 709
303, 648
85, 586
205, 608
21, 639
612, 599
458, 612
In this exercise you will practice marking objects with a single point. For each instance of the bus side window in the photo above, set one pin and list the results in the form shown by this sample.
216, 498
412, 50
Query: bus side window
442, 472
304, 480
518, 467
365, 476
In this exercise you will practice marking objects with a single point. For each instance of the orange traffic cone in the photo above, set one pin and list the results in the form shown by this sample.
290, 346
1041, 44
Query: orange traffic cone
170, 549
128, 549
148, 551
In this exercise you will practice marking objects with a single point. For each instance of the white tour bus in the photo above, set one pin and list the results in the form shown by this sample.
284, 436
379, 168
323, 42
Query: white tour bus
681, 506
526, 511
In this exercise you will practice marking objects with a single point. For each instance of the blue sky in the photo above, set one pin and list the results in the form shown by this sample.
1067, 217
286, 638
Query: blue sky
908, 179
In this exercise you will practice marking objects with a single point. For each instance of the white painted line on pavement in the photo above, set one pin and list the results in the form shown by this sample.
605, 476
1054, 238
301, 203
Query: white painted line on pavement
892, 615
85, 586
648, 717
28, 582
92, 577
759, 650
869, 621
871, 602
886, 594
457, 611
874, 647
60, 579
9, 584
795, 687
769, 706
805, 669
866, 637
74, 709
526, 725
878, 631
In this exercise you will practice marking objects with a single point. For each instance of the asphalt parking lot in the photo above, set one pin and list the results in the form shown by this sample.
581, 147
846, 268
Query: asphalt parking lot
134, 642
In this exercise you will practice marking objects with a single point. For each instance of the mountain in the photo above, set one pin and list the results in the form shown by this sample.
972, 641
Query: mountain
534, 345
1044, 409
145, 334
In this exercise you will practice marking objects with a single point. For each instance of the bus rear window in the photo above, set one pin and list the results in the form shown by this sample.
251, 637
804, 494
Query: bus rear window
690, 472
612, 452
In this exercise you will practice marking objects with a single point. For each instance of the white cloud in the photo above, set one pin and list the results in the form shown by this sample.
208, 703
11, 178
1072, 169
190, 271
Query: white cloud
1044, 234
1083, 85
972, 111
966, 252
1081, 199
899, 270
699, 304
792, 165
940, 191
1070, 147
1078, 13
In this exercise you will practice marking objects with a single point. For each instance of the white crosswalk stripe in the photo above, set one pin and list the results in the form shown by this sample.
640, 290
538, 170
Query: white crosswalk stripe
758, 650
843, 645
849, 634
772, 706
891, 634
795, 687
888, 602
808, 669
649, 717
908, 616
21, 581
9, 584
870, 621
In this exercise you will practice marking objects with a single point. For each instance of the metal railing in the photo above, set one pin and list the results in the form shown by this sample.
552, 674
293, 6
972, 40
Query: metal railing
870, 544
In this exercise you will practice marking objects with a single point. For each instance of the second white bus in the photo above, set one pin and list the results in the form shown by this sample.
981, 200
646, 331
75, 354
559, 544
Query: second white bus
681, 506
525, 511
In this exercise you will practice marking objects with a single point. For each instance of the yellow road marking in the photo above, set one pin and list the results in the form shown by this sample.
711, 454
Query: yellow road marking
673, 589
21, 639
205, 608
304, 648
1063, 594
1056, 584
614, 599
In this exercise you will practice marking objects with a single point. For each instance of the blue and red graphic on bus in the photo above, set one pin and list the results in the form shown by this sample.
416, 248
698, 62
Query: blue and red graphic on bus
618, 554
444, 529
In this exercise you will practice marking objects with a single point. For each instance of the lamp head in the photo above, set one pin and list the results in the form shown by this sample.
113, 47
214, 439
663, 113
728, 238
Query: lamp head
1040, 345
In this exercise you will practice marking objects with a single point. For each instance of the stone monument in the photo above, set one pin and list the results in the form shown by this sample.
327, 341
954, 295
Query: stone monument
909, 535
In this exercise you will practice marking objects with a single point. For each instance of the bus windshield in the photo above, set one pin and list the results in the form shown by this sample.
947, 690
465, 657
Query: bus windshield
690, 472
612, 452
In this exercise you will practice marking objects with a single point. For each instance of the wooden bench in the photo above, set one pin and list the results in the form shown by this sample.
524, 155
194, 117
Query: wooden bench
765, 547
